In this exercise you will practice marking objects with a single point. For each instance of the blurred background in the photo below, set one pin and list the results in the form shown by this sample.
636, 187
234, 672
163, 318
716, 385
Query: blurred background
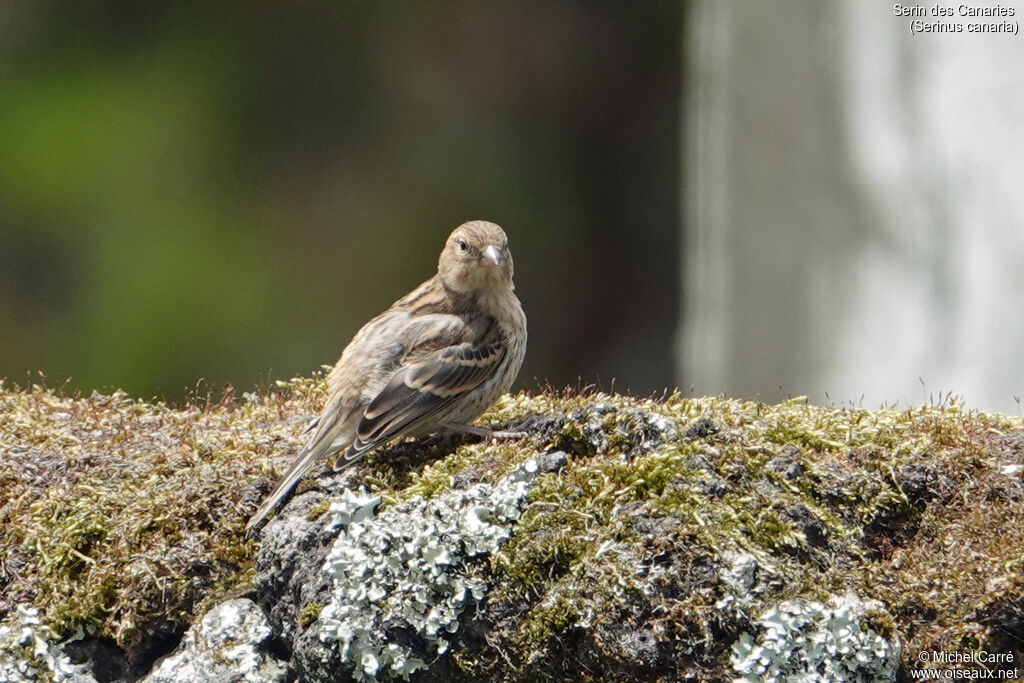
854, 203
760, 201
228, 191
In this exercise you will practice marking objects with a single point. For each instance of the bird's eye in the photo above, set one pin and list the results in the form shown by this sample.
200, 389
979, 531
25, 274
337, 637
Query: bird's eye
461, 244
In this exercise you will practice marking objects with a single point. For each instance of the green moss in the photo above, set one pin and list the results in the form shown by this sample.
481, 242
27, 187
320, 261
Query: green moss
318, 510
570, 439
309, 614
126, 514
550, 620
836, 522
123, 514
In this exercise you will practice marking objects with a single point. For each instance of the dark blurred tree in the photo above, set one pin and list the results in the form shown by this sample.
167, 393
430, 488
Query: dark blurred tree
227, 192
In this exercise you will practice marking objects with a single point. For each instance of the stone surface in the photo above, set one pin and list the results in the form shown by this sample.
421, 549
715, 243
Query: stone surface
229, 644
695, 539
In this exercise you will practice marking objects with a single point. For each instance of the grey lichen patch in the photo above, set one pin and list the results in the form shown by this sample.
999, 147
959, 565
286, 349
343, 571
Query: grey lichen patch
29, 651
655, 532
814, 642
225, 644
406, 569
826, 499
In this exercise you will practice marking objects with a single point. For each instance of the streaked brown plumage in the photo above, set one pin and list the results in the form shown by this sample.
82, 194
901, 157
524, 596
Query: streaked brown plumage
435, 360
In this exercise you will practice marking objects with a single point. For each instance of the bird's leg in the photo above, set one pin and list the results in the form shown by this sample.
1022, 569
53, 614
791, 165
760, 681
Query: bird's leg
483, 432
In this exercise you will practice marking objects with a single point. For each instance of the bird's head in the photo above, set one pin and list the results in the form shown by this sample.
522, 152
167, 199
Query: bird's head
476, 257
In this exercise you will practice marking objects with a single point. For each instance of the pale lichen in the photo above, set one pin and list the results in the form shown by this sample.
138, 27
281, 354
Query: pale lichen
29, 650
124, 518
226, 643
803, 641
405, 568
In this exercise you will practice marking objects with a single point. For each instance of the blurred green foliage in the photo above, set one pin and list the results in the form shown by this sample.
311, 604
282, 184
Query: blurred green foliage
227, 192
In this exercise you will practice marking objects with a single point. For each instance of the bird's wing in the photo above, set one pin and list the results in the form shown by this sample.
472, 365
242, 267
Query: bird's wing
374, 349
421, 389
423, 363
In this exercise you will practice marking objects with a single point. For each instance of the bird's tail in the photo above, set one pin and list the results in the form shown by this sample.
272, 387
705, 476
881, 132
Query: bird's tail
298, 469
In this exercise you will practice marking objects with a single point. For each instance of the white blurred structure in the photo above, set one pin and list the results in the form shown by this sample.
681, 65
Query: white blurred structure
853, 206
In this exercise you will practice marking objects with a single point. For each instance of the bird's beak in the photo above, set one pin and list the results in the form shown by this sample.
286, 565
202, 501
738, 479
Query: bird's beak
491, 256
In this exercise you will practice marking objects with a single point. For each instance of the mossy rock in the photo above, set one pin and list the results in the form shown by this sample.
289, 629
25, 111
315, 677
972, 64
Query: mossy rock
126, 518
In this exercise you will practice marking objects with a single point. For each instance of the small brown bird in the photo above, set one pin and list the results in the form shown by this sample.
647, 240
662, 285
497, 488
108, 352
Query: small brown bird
433, 361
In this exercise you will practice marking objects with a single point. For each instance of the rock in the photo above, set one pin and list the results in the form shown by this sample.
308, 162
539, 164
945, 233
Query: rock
228, 645
552, 462
786, 464
922, 484
657, 541
917, 483
102, 657
804, 519
380, 596
713, 486
544, 426
599, 408
644, 431
701, 428
29, 652
739, 571
288, 564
